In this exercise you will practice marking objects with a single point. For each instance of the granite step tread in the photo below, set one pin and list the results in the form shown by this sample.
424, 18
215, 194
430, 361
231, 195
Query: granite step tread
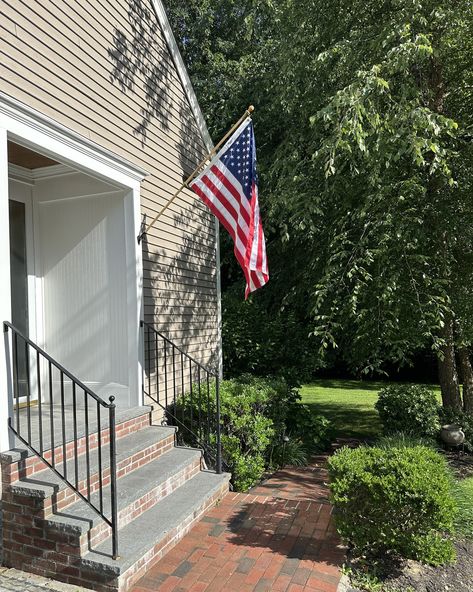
81, 517
145, 532
45, 483
20, 451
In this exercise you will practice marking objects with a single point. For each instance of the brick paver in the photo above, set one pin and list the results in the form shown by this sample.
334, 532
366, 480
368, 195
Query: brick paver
278, 537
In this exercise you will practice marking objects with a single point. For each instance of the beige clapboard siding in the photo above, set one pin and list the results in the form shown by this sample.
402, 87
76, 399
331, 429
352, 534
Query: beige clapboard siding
77, 62
15, 58
55, 57
80, 30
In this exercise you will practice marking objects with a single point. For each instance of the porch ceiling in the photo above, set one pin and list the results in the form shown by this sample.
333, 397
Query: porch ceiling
27, 158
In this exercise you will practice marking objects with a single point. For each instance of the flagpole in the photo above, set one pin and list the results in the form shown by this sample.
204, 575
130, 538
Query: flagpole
209, 156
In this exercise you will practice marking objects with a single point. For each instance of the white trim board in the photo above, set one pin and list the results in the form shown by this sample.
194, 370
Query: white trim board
36, 131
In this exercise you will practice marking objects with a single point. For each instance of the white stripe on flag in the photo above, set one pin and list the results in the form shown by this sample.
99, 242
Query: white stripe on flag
224, 212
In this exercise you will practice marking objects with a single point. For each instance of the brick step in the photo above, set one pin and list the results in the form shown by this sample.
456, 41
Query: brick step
148, 538
22, 462
84, 529
133, 451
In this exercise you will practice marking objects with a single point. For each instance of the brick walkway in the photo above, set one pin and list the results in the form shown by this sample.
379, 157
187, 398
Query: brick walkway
279, 537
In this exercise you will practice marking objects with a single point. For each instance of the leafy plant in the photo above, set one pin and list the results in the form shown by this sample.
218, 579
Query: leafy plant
290, 452
408, 408
256, 413
395, 498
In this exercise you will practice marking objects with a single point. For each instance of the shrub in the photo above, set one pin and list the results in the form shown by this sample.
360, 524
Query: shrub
256, 413
291, 452
394, 498
408, 408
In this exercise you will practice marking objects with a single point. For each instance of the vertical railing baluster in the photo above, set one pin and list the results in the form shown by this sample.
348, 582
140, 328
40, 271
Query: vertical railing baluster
165, 372
16, 391
74, 422
199, 429
191, 397
99, 453
149, 359
63, 421
183, 394
156, 347
208, 409
87, 444
174, 376
51, 413
219, 442
28, 390
113, 478
40, 403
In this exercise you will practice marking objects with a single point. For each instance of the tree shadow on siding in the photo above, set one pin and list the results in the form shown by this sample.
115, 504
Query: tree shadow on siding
138, 60
180, 286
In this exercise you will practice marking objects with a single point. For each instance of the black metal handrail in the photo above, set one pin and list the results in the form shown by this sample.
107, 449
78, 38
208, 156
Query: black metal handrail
29, 360
187, 391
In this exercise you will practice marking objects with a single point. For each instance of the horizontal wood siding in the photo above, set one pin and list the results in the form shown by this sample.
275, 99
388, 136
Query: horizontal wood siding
103, 69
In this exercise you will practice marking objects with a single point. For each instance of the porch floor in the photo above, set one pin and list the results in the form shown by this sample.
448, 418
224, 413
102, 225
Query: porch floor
63, 425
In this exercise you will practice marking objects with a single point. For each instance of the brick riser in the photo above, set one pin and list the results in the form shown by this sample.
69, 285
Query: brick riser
24, 523
66, 497
13, 471
53, 559
102, 531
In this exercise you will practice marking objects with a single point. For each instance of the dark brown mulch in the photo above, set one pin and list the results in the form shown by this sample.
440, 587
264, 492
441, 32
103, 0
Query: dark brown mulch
457, 577
411, 575
462, 464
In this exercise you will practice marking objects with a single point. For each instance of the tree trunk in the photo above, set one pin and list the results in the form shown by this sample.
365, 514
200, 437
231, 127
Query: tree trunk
467, 379
448, 375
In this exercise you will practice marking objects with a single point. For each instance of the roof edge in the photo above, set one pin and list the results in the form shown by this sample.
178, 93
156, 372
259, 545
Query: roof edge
182, 71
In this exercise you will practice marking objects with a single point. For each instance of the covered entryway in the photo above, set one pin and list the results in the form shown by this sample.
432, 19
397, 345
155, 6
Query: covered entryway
68, 269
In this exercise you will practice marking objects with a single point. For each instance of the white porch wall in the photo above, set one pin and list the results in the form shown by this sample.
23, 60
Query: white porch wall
82, 263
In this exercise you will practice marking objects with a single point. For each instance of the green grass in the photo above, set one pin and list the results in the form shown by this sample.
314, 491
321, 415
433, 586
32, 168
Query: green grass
464, 497
348, 404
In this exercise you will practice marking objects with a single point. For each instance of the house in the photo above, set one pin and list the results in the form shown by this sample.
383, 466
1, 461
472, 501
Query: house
105, 337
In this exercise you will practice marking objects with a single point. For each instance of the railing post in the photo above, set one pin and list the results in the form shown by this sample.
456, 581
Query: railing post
219, 442
113, 477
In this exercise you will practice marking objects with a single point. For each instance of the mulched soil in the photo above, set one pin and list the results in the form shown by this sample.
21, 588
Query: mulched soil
411, 575
462, 464
457, 577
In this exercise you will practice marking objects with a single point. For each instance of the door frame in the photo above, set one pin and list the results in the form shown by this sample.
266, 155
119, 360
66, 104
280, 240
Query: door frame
34, 294
32, 129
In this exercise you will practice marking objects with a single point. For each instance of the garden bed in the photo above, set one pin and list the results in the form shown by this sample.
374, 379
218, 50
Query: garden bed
411, 576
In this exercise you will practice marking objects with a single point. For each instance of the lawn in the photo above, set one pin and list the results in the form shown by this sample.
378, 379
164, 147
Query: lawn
348, 404
464, 498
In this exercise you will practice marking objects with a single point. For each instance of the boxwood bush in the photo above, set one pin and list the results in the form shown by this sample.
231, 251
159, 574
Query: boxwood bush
409, 408
256, 414
395, 497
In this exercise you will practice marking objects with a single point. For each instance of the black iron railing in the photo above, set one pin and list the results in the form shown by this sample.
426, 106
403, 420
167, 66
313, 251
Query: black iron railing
58, 427
187, 391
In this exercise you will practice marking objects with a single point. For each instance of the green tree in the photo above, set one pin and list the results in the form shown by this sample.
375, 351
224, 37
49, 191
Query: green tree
364, 128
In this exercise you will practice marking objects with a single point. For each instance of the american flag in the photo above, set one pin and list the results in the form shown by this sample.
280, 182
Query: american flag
229, 187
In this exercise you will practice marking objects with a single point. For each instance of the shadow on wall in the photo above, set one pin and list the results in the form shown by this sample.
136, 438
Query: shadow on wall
179, 288
139, 59
179, 278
